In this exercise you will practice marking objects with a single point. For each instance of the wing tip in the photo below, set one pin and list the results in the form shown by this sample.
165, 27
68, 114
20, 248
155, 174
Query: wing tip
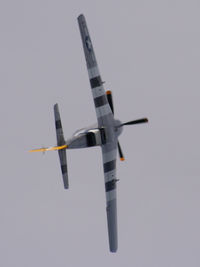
81, 17
113, 250
55, 106
66, 187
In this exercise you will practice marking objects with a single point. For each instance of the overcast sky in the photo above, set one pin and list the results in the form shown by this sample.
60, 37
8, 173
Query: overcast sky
149, 55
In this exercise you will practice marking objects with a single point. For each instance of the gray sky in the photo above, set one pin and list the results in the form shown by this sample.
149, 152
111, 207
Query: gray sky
149, 55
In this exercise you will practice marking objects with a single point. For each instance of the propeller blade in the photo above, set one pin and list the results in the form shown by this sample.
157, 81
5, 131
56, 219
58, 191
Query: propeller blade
143, 120
120, 152
110, 101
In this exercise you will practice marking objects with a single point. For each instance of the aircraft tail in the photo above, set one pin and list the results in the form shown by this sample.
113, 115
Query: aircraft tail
61, 142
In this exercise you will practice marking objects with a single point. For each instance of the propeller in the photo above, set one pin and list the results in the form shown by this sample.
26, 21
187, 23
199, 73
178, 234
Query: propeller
110, 101
143, 120
120, 152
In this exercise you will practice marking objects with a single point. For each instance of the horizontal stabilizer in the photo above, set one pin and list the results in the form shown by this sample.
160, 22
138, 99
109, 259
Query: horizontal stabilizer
63, 165
61, 143
58, 125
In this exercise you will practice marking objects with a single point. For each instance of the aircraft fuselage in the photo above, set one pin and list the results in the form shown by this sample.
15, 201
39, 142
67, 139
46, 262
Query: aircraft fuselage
94, 136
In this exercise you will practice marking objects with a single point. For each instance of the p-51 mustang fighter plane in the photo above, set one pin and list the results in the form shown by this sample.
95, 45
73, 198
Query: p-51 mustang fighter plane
105, 134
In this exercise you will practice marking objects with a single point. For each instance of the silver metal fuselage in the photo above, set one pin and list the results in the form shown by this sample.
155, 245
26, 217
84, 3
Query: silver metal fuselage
94, 136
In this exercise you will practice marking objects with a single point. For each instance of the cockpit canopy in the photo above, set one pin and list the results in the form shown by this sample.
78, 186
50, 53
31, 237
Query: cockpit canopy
84, 131
80, 131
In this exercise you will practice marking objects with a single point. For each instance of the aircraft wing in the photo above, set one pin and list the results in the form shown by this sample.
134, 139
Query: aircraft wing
103, 110
109, 153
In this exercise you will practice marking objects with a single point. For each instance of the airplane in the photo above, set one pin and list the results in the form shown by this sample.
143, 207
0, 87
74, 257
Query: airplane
104, 134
